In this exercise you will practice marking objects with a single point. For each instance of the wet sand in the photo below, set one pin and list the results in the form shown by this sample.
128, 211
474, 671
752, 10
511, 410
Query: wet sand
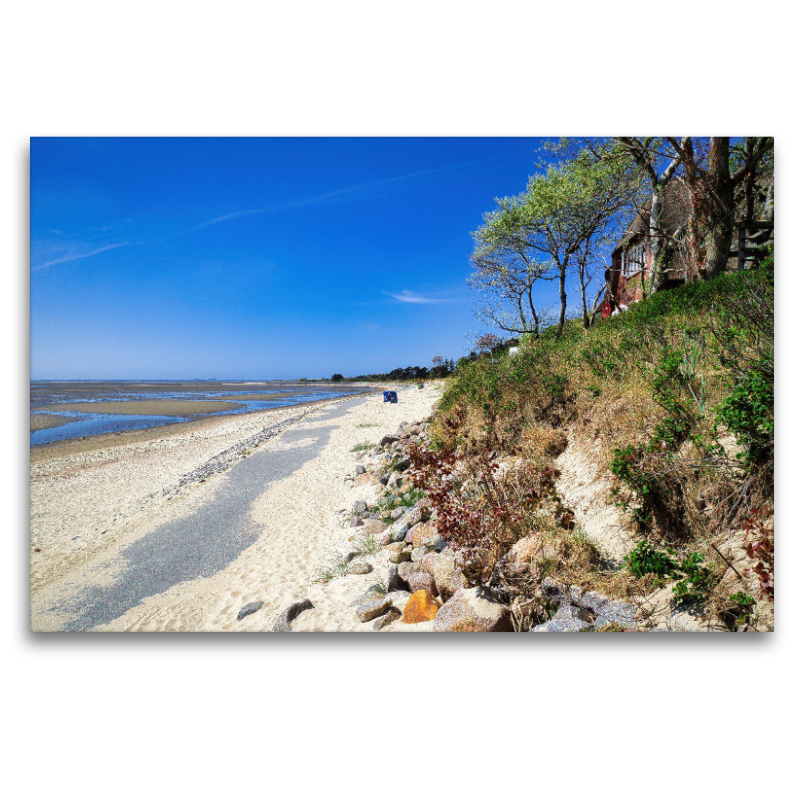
89, 444
157, 408
40, 422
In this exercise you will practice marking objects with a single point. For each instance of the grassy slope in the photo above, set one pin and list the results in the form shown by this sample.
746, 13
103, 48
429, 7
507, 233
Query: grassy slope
676, 397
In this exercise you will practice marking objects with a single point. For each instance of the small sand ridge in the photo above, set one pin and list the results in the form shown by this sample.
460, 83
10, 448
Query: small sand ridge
97, 517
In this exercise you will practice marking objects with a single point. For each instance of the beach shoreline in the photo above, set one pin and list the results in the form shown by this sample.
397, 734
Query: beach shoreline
91, 499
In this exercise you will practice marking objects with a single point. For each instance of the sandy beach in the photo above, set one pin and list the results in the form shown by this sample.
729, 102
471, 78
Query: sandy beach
94, 505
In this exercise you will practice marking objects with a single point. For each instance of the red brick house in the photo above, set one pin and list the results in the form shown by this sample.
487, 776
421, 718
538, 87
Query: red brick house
631, 259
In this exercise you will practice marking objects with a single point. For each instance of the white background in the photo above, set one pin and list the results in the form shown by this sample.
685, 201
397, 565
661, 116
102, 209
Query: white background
215, 716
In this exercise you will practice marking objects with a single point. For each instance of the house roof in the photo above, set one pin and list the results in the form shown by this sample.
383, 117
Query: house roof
677, 206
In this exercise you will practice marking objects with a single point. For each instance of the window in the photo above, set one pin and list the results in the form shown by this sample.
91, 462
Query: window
634, 259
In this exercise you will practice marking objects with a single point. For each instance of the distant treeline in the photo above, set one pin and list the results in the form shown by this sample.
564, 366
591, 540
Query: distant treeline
442, 370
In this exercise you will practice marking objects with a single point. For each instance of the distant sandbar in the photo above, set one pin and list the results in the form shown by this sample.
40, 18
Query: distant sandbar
161, 408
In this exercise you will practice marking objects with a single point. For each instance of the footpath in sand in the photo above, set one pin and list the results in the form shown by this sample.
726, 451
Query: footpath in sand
189, 559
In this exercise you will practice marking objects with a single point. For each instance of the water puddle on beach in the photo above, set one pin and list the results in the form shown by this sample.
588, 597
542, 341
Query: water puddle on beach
90, 422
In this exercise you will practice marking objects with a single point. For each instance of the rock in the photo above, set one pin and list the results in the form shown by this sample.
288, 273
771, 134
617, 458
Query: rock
449, 579
359, 568
421, 579
568, 619
387, 619
554, 592
373, 608
609, 612
419, 554
248, 609
397, 513
387, 440
412, 516
395, 480
359, 507
382, 539
398, 552
384, 479
394, 582
473, 610
424, 534
288, 615
421, 607
356, 522
365, 479
360, 470
428, 560
406, 568
402, 465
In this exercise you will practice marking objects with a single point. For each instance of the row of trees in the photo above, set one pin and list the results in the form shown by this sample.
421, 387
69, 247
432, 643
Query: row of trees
563, 227
441, 368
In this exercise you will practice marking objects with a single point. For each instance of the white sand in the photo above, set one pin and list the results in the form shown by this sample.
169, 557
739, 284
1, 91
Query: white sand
125, 492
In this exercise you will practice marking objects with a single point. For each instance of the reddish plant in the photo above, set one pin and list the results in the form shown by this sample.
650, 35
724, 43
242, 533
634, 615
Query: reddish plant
481, 506
760, 537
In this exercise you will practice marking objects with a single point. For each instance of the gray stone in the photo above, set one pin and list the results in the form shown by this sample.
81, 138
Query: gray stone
387, 440
284, 622
359, 507
356, 522
397, 513
403, 465
412, 516
406, 568
399, 533
373, 608
387, 619
359, 568
360, 469
248, 609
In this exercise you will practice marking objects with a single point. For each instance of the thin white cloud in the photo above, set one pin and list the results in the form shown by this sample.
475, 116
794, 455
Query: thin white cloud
76, 256
359, 191
407, 296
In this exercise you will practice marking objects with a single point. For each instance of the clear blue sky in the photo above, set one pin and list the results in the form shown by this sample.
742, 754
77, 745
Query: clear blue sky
257, 258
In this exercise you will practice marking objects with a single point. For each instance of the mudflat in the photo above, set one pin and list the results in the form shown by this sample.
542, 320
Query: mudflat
102, 441
157, 408
40, 422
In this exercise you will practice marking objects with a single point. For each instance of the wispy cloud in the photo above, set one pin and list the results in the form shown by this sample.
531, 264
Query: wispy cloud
75, 255
361, 191
407, 296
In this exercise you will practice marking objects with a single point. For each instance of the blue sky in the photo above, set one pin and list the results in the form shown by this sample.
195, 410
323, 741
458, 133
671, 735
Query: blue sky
271, 258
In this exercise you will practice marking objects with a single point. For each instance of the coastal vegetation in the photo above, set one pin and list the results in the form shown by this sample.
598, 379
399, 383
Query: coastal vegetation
671, 403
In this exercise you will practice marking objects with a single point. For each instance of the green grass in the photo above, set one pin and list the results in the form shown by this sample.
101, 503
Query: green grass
364, 446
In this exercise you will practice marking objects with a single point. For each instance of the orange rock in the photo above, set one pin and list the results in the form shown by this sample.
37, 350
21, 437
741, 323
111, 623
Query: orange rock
423, 533
421, 607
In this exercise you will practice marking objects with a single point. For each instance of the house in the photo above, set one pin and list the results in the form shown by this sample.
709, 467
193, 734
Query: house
631, 259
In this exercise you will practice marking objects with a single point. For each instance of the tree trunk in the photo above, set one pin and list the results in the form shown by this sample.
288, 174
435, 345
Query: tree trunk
721, 228
656, 276
562, 293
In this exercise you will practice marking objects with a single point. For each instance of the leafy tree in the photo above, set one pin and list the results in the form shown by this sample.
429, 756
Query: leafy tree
336, 377
562, 224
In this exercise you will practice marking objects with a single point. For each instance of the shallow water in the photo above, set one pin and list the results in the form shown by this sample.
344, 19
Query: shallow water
92, 423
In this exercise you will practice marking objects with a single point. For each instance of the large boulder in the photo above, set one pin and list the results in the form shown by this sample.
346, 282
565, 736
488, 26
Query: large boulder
473, 610
421, 607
